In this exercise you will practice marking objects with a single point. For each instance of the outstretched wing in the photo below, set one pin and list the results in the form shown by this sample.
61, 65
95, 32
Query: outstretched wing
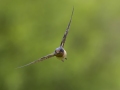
41, 59
66, 32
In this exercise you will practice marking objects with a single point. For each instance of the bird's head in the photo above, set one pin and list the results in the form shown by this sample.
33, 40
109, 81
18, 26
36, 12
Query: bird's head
59, 51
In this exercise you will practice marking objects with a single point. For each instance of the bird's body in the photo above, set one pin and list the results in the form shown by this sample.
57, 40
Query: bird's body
59, 52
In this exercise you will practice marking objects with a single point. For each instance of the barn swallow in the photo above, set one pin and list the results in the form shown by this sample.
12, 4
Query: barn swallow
59, 52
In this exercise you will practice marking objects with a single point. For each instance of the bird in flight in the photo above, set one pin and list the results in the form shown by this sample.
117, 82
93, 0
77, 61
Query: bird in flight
59, 52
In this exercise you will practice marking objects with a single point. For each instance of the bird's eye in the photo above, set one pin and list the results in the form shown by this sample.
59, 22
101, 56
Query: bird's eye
61, 50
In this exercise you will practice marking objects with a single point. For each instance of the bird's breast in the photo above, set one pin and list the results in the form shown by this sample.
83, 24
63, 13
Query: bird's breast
62, 54
59, 54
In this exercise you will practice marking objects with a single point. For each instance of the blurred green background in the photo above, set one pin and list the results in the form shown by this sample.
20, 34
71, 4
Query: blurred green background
30, 29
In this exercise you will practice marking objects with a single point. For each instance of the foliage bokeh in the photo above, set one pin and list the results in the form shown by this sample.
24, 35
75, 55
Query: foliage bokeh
30, 29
